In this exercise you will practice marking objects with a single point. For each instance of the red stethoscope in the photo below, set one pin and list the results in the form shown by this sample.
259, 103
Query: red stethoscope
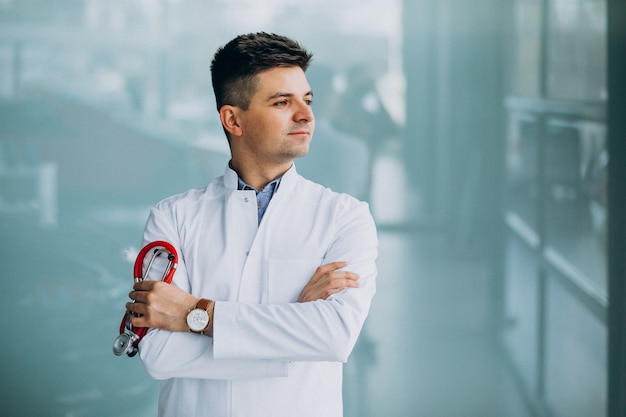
128, 340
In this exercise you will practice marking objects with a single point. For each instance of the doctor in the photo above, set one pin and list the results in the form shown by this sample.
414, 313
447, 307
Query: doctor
276, 273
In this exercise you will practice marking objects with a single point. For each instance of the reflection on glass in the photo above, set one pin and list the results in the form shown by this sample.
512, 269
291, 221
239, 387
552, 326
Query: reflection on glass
576, 344
522, 162
526, 68
576, 177
577, 50
522, 304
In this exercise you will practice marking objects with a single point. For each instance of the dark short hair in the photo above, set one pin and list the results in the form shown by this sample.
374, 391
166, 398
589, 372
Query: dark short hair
236, 64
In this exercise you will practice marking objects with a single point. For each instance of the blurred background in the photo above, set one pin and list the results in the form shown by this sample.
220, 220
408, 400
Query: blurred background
480, 131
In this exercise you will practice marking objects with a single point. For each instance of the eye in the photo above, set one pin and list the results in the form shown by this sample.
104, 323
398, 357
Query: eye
281, 103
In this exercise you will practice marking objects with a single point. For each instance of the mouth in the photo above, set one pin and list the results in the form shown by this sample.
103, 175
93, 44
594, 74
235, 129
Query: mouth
300, 133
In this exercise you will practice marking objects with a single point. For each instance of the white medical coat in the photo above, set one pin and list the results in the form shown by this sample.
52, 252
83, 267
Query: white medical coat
269, 356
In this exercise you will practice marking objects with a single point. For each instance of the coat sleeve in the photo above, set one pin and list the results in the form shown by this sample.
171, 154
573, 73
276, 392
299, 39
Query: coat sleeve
185, 355
322, 330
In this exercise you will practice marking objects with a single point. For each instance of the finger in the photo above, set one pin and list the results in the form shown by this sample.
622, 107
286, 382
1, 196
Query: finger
146, 285
334, 285
337, 279
330, 267
351, 283
139, 321
136, 308
353, 276
342, 284
138, 296
324, 273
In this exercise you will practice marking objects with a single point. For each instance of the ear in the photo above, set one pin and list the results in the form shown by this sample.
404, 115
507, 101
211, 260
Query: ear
229, 118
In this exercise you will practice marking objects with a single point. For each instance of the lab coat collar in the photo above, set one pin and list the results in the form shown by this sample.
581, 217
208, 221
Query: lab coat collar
287, 183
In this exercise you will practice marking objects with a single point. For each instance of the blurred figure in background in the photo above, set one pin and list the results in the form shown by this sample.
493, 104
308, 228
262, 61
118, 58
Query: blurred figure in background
361, 112
336, 158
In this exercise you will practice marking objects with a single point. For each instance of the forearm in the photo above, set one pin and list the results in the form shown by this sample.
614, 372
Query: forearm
186, 355
323, 330
253, 340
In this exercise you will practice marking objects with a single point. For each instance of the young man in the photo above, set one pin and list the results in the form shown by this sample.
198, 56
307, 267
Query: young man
276, 273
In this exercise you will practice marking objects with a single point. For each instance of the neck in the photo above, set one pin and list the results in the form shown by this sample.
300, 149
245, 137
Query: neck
258, 176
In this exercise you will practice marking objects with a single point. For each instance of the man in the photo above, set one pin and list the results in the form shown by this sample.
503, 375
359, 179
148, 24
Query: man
276, 273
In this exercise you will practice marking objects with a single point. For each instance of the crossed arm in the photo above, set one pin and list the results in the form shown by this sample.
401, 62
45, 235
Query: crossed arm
163, 306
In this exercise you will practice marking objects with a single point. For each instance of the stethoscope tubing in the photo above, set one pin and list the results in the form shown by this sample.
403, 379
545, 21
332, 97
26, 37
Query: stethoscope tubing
128, 339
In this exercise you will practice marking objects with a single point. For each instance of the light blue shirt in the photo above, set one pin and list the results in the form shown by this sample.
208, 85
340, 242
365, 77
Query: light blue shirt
264, 196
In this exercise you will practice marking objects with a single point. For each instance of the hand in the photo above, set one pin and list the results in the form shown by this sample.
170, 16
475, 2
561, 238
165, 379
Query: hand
327, 281
160, 305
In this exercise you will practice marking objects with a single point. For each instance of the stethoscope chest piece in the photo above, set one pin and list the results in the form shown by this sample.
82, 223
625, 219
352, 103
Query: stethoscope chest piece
124, 344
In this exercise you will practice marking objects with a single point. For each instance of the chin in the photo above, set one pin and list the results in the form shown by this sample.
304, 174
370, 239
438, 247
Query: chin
303, 153
298, 152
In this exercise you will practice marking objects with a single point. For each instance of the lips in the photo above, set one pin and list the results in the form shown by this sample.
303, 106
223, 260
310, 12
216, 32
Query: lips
300, 132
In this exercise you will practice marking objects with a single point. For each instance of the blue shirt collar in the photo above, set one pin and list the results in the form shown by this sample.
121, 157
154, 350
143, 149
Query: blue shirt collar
263, 197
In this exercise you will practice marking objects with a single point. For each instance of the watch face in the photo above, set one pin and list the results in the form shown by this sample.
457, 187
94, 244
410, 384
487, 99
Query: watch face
197, 319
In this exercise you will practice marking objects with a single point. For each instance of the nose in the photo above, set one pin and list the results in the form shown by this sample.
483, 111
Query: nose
304, 113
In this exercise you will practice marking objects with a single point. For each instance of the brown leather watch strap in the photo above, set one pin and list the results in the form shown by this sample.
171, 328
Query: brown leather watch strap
203, 304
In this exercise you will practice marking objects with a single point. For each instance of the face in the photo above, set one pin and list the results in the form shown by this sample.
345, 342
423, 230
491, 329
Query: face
278, 125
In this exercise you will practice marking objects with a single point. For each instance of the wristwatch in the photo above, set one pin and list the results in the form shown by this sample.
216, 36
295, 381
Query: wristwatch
198, 317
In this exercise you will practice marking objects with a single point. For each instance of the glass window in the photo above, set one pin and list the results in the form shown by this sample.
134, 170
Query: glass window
522, 167
522, 301
526, 65
576, 212
577, 50
106, 107
576, 345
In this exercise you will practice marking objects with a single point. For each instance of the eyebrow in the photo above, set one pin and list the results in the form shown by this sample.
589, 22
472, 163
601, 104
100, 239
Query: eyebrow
287, 95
